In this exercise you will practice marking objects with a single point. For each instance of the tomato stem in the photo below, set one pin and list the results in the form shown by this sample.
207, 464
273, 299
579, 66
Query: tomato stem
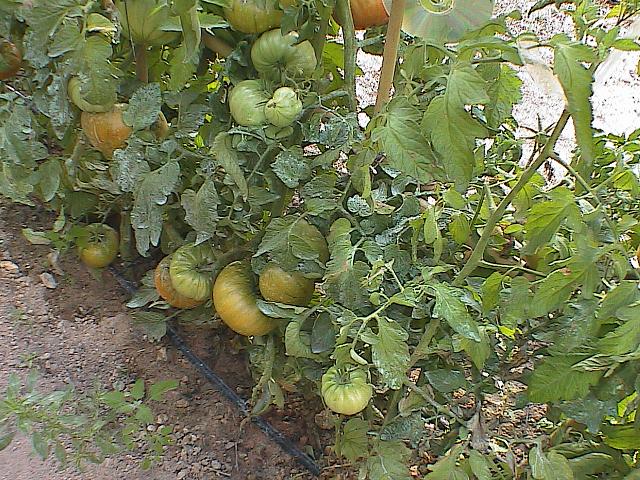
213, 43
349, 35
545, 153
390, 54
142, 68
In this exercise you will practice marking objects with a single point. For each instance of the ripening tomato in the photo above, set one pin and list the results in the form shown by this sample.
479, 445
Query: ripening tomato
346, 390
234, 299
143, 20
191, 271
100, 247
253, 16
367, 13
284, 107
10, 59
273, 54
107, 131
291, 288
75, 95
162, 281
247, 101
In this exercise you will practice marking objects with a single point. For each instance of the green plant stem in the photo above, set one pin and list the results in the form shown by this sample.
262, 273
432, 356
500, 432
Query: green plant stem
390, 54
438, 406
213, 43
350, 48
545, 153
319, 39
142, 67
593, 194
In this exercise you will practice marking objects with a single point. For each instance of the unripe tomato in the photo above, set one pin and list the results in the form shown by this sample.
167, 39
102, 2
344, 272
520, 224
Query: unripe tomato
273, 54
234, 299
10, 59
346, 391
75, 95
253, 16
100, 248
164, 286
247, 101
191, 271
283, 108
291, 288
142, 21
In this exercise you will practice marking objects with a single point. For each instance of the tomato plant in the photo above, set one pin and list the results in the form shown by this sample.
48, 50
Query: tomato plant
447, 267
346, 391
234, 299
99, 246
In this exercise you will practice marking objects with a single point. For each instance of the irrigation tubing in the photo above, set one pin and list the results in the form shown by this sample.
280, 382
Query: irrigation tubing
219, 384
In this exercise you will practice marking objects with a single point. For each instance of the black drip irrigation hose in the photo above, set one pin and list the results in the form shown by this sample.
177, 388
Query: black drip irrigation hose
219, 384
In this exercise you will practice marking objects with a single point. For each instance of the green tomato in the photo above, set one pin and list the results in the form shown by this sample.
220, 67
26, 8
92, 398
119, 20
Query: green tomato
273, 54
191, 271
283, 108
253, 16
100, 247
143, 20
346, 391
247, 101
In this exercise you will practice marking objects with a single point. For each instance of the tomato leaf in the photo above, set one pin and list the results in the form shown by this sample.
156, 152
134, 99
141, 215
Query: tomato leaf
446, 468
129, 165
180, 70
406, 147
389, 461
576, 81
228, 158
551, 466
390, 352
144, 107
478, 351
354, 441
291, 167
554, 379
480, 466
150, 195
201, 210
453, 131
158, 389
504, 93
297, 342
449, 307
98, 76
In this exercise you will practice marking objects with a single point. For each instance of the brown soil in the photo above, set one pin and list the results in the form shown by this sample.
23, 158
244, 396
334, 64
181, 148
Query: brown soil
80, 334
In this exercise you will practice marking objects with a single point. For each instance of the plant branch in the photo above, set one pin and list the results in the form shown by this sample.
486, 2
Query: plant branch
545, 153
142, 67
213, 43
350, 48
390, 54
439, 407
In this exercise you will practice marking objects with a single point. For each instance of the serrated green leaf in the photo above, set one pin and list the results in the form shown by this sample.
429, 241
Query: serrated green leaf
201, 210
49, 173
453, 131
59, 108
297, 342
137, 391
40, 445
390, 352
158, 389
479, 352
144, 107
545, 218
622, 437
446, 381
190, 23
354, 441
555, 289
446, 468
589, 410
449, 307
576, 81
491, 291
389, 461
98, 76
142, 297
626, 338
291, 167
129, 165
228, 158
406, 147
551, 466
624, 294
459, 228
554, 379
154, 323
180, 70
144, 414
480, 466
150, 195
6, 437
504, 93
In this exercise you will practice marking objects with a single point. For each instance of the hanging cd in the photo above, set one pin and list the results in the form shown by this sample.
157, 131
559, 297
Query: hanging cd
443, 20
